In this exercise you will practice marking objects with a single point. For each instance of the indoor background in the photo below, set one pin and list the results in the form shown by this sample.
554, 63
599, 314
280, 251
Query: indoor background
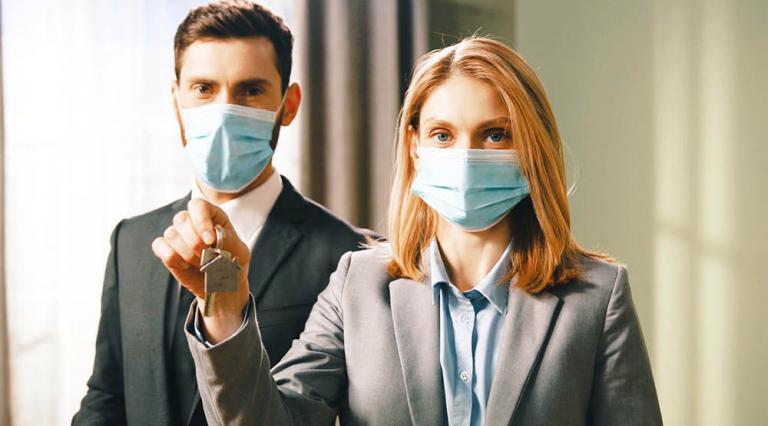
662, 106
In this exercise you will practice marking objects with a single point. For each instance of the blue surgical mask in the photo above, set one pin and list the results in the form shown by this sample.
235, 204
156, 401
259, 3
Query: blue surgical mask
228, 146
473, 188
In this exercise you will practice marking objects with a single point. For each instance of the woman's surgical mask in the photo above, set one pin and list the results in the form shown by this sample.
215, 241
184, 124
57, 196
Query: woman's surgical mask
473, 188
228, 146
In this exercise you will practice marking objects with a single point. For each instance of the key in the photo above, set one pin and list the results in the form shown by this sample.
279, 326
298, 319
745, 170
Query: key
221, 271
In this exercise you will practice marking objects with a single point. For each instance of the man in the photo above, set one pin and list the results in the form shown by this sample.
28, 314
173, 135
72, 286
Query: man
232, 95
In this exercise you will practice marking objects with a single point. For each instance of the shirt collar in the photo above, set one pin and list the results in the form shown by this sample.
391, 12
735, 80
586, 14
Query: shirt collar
490, 286
249, 212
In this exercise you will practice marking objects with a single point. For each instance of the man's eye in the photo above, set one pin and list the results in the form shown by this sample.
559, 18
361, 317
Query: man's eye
253, 91
202, 89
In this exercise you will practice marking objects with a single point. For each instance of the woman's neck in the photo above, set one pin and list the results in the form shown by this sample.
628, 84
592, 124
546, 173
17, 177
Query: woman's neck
470, 256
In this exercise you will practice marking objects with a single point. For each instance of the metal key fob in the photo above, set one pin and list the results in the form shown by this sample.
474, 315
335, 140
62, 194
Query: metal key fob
221, 271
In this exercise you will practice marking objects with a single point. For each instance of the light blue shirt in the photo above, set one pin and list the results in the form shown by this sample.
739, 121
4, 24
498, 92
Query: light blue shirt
470, 331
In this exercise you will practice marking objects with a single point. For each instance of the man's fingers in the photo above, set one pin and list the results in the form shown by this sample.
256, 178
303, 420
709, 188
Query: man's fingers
170, 258
187, 275
201, 214
186, 229
205, 216
177, 243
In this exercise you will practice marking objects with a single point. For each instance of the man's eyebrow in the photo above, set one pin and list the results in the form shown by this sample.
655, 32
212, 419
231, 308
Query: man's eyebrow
201, 80
248, 82
254, 82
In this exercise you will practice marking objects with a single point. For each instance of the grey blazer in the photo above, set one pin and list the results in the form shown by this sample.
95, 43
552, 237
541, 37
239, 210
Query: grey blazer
369, 353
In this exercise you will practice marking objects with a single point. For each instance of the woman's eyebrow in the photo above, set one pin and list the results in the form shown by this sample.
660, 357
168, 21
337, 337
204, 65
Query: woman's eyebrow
498, 121
437, 122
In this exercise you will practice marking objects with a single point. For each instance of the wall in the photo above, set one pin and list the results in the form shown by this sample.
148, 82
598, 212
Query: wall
662, 106
451, 20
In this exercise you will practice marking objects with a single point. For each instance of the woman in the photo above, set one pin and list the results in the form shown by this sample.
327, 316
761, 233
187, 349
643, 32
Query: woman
482, 309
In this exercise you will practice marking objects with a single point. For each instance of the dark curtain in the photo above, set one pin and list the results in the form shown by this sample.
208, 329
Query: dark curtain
358, 56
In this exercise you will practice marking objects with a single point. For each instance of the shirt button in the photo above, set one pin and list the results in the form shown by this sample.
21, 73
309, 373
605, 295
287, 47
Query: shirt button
464, 376
465, 317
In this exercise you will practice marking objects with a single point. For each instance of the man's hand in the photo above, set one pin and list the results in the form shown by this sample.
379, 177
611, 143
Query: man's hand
180, 249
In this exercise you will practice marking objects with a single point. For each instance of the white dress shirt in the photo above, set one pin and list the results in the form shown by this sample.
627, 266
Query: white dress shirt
249, 212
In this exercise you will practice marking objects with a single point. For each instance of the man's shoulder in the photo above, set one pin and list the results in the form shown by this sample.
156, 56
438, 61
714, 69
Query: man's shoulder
321, 223
149, 225
328, 222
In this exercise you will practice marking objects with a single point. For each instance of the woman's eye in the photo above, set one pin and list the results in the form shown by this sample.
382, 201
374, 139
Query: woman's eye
442, 137
498, 136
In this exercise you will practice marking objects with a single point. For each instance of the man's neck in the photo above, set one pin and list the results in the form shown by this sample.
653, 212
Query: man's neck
220, 198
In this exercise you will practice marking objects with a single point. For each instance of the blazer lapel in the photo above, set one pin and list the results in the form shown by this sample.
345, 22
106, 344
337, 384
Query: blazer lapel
278, 236
525, 331
417, 332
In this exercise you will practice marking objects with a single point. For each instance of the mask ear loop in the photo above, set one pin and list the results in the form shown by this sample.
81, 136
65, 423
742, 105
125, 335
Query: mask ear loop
278, 121
180, 118
280, 110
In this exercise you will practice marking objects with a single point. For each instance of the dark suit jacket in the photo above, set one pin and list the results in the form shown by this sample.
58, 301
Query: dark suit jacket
141, 317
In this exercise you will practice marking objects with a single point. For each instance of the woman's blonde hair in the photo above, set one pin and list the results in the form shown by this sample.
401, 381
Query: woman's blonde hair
544, 252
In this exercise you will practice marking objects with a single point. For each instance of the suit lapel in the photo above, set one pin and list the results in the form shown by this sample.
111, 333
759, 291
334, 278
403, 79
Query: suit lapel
173, 289
525, 331
145, 307
277, 238
157, 335
417, 332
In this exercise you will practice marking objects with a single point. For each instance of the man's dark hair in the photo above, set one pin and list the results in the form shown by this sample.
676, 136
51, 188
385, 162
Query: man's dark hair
236, 19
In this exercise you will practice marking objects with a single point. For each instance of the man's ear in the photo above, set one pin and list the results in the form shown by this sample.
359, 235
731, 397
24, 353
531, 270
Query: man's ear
292, 102
175, 99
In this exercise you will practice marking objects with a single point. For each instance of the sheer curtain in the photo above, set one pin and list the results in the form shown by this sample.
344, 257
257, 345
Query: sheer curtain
90, 138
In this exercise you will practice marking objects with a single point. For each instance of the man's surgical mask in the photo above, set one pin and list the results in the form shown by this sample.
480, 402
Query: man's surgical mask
228, 146
473, 188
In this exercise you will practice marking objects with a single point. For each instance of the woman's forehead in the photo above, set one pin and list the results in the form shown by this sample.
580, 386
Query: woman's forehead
463, 101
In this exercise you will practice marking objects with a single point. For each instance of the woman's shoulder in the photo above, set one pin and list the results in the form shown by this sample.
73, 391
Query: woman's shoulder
601, 272
368, 264
361, 278
599, 279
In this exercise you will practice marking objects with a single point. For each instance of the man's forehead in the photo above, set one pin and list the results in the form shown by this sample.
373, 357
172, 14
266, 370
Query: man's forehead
250, 58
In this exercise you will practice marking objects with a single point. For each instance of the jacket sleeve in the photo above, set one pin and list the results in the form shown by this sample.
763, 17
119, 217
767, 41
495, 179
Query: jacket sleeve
238, 388
623, 391
103, 403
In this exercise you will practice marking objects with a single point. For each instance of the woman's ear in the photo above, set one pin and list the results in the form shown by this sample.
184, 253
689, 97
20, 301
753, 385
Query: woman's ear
413, 148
